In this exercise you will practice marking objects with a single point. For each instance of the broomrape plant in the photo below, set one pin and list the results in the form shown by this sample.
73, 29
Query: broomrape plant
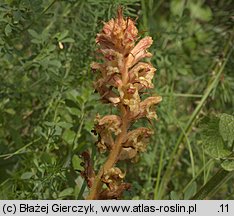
122, 78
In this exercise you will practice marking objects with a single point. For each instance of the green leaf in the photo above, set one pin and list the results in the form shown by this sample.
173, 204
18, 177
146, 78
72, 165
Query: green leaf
66, 125
228, 165
76, 162
192, 189
68, 40
66, 192
34, 34
10, 111
226, 128
61, 35
89, 126
46, 158
36, 41
174, 195
57, 130
72, 95
55, 63
26, 175
51, 48
17, 16
177, 6
212, 140
50, 124
74, 111
199, 12
68, 136
8, 30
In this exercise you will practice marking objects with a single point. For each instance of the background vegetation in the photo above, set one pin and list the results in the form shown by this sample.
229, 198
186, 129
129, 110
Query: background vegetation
47, 102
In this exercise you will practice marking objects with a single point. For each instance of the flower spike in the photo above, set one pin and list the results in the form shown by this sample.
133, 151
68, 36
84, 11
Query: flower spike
122, 77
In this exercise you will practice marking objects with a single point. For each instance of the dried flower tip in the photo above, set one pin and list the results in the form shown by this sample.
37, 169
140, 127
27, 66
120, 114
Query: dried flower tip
118, 34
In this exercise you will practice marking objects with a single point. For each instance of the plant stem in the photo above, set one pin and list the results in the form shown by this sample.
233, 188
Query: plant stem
112, 158
211, 187
181, 95
19, 151
156, 190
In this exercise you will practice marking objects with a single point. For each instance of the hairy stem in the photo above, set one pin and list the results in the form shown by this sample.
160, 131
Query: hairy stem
112, 158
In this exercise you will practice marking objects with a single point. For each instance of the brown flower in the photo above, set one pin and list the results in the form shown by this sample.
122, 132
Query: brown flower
141, 75
113, 178
137, 138
146, 108
139, 52
105, 127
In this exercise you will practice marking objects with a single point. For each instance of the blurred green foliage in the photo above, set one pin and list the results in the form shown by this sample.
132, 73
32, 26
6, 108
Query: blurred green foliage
47, 102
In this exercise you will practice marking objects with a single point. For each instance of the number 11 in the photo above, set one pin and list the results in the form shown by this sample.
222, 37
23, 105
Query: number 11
224, 208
